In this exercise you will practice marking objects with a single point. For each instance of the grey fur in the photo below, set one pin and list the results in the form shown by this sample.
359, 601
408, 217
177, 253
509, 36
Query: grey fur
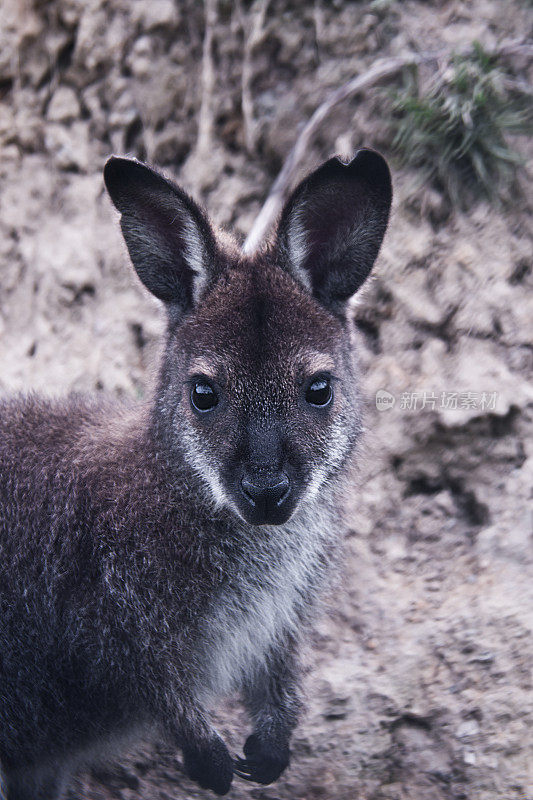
137, 586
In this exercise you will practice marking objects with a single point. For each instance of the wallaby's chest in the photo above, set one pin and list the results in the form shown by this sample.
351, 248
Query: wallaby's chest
262, 602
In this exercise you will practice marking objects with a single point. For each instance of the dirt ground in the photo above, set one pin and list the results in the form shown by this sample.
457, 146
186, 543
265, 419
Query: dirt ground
420, 673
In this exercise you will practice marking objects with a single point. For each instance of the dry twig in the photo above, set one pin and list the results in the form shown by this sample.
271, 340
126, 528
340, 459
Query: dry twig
253, 36
205, 117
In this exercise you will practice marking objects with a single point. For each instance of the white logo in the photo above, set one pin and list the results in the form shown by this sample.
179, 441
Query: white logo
384, 400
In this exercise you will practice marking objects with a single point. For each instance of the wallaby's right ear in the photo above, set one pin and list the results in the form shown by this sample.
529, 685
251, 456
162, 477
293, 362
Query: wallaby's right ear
169, 239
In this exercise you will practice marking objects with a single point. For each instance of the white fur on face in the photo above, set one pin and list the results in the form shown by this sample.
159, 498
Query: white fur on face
194, 450
319, 475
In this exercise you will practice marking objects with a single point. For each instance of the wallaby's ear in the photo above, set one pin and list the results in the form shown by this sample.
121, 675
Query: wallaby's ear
169, 239
332, 226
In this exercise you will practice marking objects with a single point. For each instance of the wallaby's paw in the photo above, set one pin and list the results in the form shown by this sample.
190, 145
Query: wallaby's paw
265, 760
210, 766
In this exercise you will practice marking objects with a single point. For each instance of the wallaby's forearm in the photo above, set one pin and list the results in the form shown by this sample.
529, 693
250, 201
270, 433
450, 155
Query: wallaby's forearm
272, 696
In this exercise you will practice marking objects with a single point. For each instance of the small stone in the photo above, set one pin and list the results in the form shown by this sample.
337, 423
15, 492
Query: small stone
69, 146
64, 105
467, 728
156, 14
417, 299
140, 60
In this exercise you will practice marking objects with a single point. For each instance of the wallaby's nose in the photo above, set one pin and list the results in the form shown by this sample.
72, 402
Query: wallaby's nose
266, 495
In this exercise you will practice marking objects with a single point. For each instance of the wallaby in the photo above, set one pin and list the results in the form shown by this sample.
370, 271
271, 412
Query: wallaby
156, 557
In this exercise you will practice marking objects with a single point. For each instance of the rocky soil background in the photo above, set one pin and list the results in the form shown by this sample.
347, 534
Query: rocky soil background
420, 681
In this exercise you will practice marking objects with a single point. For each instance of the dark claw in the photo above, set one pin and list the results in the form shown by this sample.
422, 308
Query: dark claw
245, 776
244, 769
240, 765
263, 762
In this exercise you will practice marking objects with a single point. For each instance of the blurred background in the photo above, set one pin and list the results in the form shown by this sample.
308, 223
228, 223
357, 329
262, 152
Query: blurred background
420, 681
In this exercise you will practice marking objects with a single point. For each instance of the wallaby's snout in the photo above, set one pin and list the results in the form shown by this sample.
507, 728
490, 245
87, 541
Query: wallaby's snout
267, 484
267, 497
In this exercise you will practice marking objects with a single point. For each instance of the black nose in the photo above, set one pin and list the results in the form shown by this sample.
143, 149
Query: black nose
266, 494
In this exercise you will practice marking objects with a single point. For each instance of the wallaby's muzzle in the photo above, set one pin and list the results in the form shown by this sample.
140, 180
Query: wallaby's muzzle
266, 498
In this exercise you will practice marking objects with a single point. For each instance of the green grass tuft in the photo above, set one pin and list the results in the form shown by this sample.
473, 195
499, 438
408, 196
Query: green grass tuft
456, 132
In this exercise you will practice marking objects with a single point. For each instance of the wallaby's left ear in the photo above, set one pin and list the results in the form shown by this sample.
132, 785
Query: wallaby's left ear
332, 226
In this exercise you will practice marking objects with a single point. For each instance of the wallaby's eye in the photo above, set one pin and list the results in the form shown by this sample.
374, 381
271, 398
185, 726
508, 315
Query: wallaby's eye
319, 392
203, 396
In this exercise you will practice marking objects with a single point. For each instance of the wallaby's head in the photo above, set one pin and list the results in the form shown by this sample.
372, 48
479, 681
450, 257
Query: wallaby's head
258, 390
